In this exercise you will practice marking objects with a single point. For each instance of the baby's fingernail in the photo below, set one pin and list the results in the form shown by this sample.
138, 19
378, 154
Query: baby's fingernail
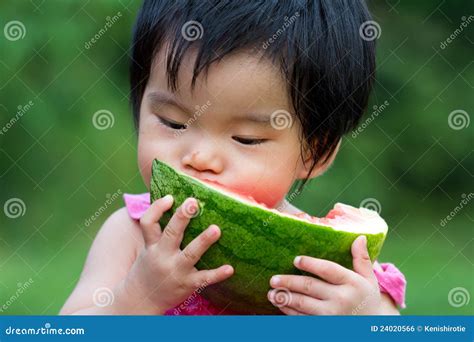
212, 231
297, 260
228, 269
364, 240
168, 198
275, 280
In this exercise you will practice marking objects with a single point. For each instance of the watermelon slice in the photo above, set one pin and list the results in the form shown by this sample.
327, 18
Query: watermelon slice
258, 241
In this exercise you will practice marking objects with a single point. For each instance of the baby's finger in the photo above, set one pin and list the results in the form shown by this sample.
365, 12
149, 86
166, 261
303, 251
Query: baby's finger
361, 259
289, 311
196, 248
310, 286
201, 279
174, 230
149, 221
296, 301
325, 269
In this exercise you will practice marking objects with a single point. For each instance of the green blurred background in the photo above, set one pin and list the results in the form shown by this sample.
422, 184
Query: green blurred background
413, 160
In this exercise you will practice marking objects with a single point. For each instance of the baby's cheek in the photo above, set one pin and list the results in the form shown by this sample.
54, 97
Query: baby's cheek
144, 166
273, 194
150, 148
147, 152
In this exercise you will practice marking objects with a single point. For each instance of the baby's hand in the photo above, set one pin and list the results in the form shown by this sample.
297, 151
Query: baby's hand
339, 291
163, 275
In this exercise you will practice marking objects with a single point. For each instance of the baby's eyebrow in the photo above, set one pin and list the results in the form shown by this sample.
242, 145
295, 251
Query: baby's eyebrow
158, 97
264, 119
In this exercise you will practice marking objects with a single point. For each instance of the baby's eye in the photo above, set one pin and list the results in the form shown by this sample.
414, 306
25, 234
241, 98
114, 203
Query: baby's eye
247, 141
171, 124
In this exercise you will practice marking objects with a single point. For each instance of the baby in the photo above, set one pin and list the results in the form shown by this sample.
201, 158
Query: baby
254, 96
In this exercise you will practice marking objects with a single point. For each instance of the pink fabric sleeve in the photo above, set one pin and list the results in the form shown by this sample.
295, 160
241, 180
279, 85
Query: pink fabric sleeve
137, 204
392, 282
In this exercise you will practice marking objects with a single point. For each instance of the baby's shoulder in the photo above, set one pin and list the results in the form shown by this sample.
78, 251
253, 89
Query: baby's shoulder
121, 217
120, 229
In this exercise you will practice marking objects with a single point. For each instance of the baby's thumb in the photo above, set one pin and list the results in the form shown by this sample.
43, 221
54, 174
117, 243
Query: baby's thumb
361, 260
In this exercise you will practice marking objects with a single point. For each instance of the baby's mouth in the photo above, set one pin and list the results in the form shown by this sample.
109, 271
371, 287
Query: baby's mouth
231, 191
218, 185
206, 180
215, 183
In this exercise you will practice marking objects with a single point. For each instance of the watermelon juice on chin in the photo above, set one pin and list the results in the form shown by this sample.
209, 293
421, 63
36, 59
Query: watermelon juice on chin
258, 241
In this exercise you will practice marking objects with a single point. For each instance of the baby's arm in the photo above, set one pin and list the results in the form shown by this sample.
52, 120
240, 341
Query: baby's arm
141, 266
388, 306
110, 258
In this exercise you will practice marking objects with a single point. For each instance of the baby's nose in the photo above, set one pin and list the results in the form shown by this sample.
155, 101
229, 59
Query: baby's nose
203, 161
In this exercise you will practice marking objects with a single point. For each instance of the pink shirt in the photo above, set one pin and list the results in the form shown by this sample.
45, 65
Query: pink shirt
391, 280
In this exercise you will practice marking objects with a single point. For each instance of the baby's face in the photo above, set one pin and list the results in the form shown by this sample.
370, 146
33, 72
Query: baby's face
230, 136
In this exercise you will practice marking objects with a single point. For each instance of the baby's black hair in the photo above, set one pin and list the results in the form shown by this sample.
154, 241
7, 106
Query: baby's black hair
317, 45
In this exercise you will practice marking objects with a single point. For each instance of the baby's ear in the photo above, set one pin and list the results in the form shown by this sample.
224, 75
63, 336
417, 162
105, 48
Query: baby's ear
320, 168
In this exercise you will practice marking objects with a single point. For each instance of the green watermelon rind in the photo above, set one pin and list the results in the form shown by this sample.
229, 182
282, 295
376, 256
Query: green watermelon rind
258, 243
